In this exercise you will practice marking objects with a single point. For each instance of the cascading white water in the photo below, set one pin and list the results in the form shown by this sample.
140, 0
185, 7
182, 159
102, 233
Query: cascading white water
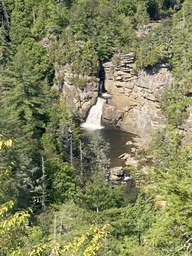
94, 118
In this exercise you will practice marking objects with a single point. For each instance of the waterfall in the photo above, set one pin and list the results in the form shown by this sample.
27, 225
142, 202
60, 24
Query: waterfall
94, 118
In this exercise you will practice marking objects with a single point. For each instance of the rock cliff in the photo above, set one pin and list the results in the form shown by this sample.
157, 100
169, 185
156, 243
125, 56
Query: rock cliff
79, 92
134, 106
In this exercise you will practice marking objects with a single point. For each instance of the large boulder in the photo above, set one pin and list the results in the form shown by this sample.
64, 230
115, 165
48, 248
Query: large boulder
117, 175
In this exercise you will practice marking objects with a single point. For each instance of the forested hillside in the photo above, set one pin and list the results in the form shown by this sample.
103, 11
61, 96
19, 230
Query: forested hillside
54, 196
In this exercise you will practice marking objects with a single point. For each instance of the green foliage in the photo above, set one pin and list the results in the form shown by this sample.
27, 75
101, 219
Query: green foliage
49, 18
166, 148
86, 62
95, 155
171, 233
128, 226
174, 105
94, 245
182, 51
79, 82
98, 196
17, 237
156, 46
15, 232
95, 31
63, 225
141, 15
61, 176
53, 140
66, 219
126, 7
7, 183
4, 46
11, 228
170, 42
21, 20
26, 99
69, 223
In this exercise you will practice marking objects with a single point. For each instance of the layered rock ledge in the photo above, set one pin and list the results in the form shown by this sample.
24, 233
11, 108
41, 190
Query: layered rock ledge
134, 106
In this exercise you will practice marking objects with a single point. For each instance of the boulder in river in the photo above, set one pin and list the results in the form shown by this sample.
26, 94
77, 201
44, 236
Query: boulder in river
117, 175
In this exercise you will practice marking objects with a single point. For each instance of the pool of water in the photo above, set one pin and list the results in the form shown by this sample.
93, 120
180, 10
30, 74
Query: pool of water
117, 143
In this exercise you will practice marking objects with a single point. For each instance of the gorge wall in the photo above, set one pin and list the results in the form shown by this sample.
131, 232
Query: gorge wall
134, 106
79, 92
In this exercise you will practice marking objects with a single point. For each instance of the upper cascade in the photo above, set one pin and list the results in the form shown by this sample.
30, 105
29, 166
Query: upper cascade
93, 121
106, 96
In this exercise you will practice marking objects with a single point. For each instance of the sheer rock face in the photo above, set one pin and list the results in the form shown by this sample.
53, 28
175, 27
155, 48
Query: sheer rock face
69, 84
134, 106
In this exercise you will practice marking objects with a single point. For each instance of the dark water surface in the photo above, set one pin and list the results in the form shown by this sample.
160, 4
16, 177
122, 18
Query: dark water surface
117, 140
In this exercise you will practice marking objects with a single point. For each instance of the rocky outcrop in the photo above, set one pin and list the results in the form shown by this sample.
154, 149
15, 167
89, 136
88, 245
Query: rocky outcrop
134, 106
129, 160
117, 175
79, 92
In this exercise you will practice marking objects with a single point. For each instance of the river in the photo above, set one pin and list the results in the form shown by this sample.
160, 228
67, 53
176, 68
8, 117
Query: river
117, 143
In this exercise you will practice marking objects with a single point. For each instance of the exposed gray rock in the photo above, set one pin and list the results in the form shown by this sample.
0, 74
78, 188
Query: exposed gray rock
129, 160
45, 42
129, 142
117, 171
76, 98
124, 156
118, 176
135, 104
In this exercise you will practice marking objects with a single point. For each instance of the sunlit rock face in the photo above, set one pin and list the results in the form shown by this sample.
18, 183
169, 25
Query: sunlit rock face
132, 95
134, 106
79, 92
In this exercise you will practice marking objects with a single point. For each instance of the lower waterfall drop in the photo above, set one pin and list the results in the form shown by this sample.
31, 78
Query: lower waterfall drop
94, 118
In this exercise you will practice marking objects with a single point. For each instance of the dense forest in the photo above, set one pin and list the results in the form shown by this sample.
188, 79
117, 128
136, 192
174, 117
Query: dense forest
54, 198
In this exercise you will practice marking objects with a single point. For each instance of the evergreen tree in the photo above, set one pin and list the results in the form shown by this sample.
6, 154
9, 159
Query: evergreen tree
171, 176
61, 181
21, 20
25, 100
